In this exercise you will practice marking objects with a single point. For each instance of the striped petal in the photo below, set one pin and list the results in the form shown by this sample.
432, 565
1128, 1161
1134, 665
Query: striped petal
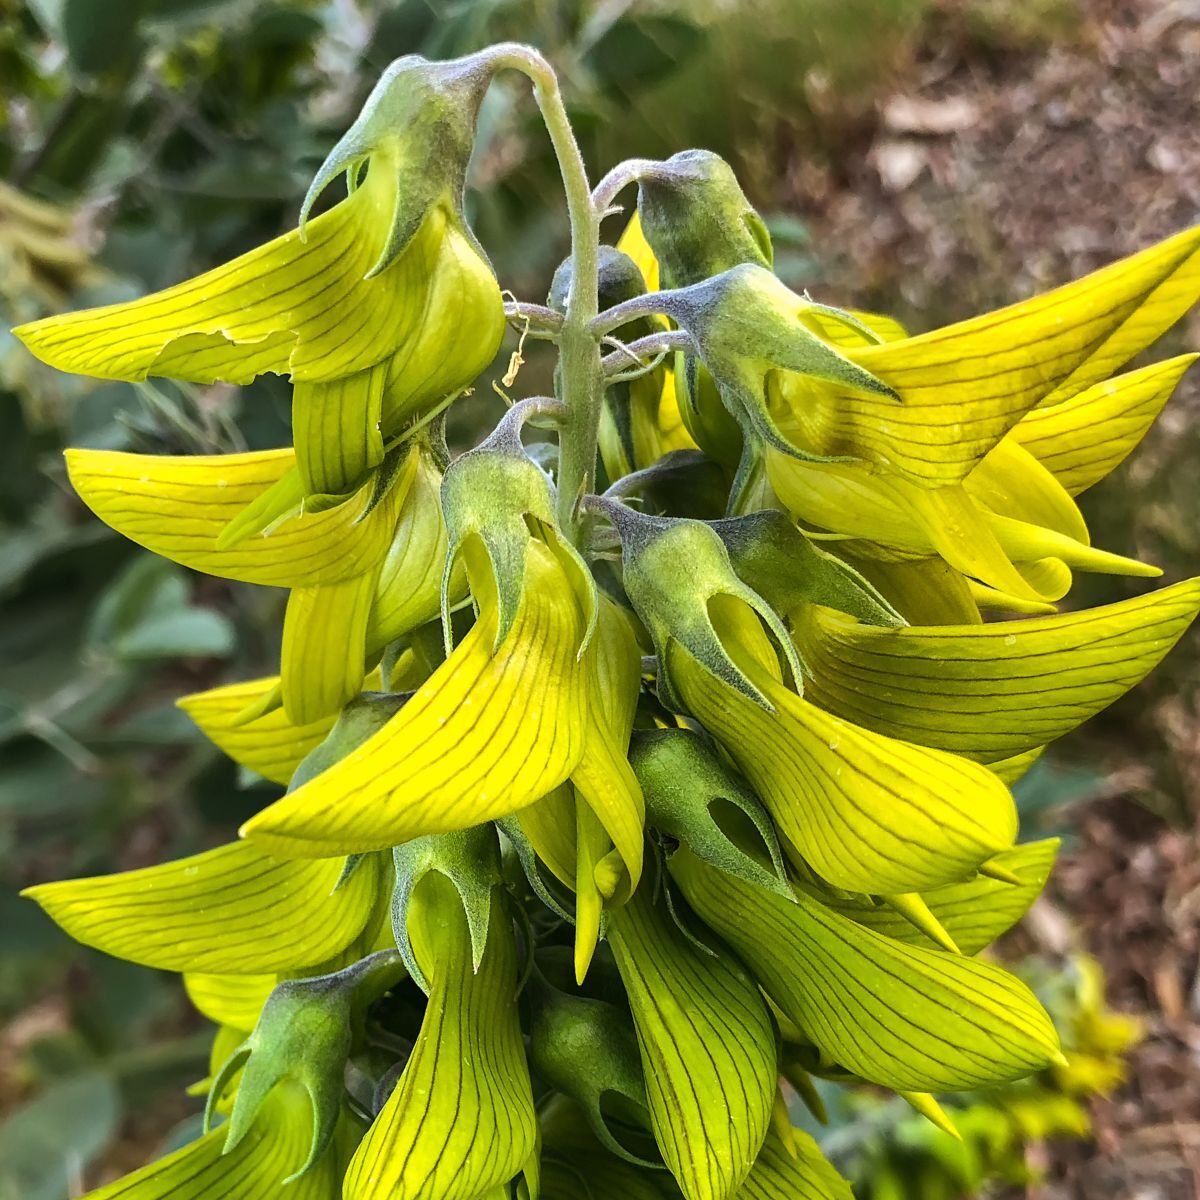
793, 1169
974, 913
294, 306
408, 593
964, 386
232, 910
1087, 435
868, 813
707, 1046
322, 660
274, 1149
990, 691
271, 746
231, 1000
179, 507
898, 1015
490, 732
461, 1119
603, 776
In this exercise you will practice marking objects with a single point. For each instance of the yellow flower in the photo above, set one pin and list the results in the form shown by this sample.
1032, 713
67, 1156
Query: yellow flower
361, 574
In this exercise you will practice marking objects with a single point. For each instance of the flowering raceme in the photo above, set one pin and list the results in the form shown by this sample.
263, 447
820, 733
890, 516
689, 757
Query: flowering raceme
611, 820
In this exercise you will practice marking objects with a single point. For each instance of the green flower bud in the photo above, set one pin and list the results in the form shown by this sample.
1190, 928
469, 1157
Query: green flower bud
697, 218
305, 1033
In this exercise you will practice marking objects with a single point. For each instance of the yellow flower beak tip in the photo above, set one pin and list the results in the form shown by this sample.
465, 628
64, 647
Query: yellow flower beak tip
999, 872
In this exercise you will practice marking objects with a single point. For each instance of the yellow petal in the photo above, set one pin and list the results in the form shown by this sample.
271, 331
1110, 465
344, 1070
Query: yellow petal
1084, 437
489, 733
991, 691
633, 242
272, 745
898, 1015
460, 1121
336, 429
707, 1046
408, 593
324, 647
1161, 308
298, 307
964, 386
603, 775
178, 508
231, 1000
232, 910
793, 1169
1012, 483
275, 1147
866, 812
974, 913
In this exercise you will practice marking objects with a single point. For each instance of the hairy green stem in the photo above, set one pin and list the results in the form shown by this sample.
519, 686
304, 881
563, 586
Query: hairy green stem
580, 378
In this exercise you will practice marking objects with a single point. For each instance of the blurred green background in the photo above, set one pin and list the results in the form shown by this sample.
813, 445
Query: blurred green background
928, 157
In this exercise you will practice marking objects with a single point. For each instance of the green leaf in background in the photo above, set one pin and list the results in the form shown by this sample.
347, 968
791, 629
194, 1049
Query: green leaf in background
37, 1160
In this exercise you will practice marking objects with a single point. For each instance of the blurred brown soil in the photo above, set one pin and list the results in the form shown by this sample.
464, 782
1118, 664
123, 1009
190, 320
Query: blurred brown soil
1009, 157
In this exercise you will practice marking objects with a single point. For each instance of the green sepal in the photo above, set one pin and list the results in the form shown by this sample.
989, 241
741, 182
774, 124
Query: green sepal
360, 719
712, 426
786, 569
470, 860
697, 219
498, 496
744, 325
588, 1050
672, 569
682, 780
305, 1032
418, 122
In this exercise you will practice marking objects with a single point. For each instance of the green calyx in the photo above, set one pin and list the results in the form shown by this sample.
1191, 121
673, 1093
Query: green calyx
470, 861
675, 570
693, 798
497, 499
697, 218
419, 123
787, 570
306, 1032
588, 1050
359, 720
745, 326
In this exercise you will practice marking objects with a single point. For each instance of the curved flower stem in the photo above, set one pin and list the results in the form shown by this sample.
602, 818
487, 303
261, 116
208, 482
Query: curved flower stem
543, 322
635, 354
580, 379
651, 304
619, 178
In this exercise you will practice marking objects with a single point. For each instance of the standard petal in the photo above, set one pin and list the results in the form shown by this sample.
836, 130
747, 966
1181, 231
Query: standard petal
974, 913
991, 691
292, 306
490, 732
794, 1169
232, 1000
898, 1015
964, 386
708, 1049
603, 775
1089, 434
274, 1148
322, 660
178, 508
232, 910
867, 813
272, 746
461, 1119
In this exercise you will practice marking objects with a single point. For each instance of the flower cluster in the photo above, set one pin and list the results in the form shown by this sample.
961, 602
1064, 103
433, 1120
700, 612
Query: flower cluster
616, 811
